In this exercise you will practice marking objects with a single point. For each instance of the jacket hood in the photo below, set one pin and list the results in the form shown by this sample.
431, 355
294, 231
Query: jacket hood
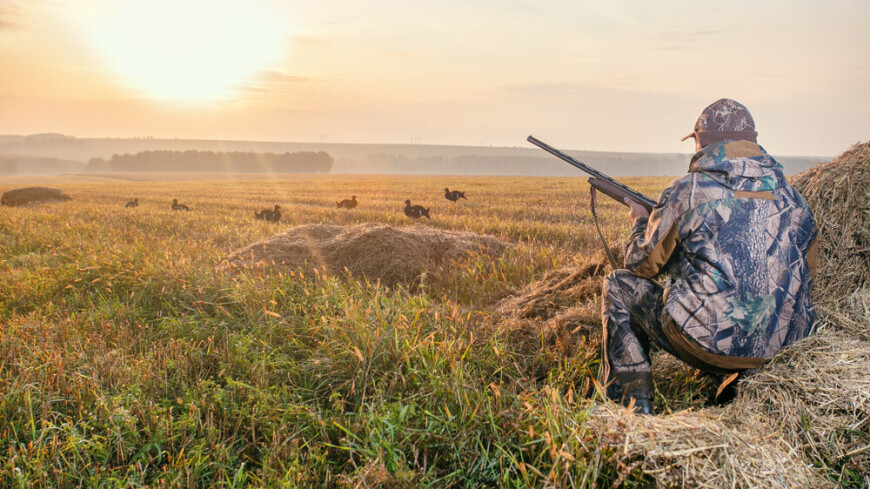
738, 165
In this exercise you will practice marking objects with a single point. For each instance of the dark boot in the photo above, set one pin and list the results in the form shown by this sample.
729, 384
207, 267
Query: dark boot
726, 390
641, 405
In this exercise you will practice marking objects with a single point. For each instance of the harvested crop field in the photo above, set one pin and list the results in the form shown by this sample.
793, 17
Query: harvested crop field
148, 348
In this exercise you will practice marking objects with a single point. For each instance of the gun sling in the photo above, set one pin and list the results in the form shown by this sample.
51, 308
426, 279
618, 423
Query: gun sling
592, 203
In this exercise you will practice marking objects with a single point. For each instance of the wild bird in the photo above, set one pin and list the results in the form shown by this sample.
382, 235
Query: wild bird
416, 211
269, 215
454, 195
347, 203
179, 207
132, 203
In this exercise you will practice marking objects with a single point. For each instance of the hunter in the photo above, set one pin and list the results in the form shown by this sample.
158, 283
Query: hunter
737, 246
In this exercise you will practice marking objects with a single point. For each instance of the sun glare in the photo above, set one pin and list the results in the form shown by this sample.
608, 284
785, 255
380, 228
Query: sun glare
190, 49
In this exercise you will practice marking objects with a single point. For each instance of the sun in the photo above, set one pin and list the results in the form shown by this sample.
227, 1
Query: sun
190, 49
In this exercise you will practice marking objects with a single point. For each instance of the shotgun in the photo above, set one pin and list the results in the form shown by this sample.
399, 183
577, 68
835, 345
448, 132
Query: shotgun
599, 181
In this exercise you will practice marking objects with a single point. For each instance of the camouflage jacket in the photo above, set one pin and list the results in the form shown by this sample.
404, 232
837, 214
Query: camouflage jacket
739, 245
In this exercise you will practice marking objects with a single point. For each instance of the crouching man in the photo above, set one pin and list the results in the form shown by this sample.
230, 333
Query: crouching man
737, 244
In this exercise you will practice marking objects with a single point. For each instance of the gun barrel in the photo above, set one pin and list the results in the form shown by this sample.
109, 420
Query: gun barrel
559, 154
601, 178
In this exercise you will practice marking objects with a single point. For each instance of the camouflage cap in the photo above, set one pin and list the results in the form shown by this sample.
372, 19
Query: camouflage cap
724, 119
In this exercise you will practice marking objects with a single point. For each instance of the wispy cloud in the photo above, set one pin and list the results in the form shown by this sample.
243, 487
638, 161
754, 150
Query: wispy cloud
9, 14
569, 89
274, 76
546, 87
272, 81
686, 40
309, 40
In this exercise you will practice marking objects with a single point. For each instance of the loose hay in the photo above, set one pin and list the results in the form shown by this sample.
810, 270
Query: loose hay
713, 448
838, 193
558, 310
374, 251
817, 392
32, 195
809, 406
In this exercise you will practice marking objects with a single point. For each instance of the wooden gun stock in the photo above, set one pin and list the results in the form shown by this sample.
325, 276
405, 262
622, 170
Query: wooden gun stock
619, 194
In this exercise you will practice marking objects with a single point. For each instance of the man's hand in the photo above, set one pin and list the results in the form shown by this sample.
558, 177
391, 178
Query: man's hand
637, 211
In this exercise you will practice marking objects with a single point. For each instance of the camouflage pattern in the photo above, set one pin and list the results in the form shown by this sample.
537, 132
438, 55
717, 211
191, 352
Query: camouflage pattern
738, 244
632, 313
726, 116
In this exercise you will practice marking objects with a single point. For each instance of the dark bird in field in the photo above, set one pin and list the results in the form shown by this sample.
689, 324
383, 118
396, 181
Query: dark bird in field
179, 207
132, 203
269, 215
416, 211
347, 203
454, 195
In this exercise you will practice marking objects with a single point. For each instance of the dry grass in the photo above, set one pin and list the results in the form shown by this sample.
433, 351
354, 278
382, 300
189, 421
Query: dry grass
838, 192
127, 361
376, 252
556, 315
32, 195
712, 448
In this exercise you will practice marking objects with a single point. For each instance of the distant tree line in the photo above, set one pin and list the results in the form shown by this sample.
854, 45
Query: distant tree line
211, 161
8, 167
469, 164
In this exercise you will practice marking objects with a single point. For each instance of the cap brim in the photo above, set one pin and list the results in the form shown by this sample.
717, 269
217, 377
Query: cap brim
690, 135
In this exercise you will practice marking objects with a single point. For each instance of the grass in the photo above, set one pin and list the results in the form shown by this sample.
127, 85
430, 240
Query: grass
127, 361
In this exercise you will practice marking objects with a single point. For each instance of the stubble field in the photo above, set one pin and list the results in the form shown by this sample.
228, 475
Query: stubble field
127, 360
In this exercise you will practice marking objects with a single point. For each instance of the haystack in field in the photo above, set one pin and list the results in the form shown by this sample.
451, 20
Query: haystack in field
32, 195
375, 251
838, 193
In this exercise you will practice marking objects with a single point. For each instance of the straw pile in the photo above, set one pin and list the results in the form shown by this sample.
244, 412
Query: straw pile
809, 406
560, 311
377, 252
712, 448
32, 195
838, 192
818, 395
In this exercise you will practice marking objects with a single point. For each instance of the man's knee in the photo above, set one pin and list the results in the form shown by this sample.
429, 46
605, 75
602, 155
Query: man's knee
616, 279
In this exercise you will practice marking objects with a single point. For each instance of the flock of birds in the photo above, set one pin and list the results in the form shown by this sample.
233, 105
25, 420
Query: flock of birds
274, 215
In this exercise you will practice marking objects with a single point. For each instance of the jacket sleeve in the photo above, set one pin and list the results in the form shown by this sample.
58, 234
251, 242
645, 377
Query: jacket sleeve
654, 239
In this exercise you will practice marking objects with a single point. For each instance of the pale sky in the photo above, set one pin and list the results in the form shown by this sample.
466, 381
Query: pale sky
580, 74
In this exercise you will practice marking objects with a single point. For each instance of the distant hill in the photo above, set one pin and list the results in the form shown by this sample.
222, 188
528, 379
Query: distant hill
379, 158
17, 164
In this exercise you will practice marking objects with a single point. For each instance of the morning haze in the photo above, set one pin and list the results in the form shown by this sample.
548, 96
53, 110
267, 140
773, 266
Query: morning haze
619, 77
56, 153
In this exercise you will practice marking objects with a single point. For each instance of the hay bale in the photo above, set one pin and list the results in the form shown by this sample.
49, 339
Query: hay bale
395, 256
838, 193
817, 393
712, 448
32, 195
808, 407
